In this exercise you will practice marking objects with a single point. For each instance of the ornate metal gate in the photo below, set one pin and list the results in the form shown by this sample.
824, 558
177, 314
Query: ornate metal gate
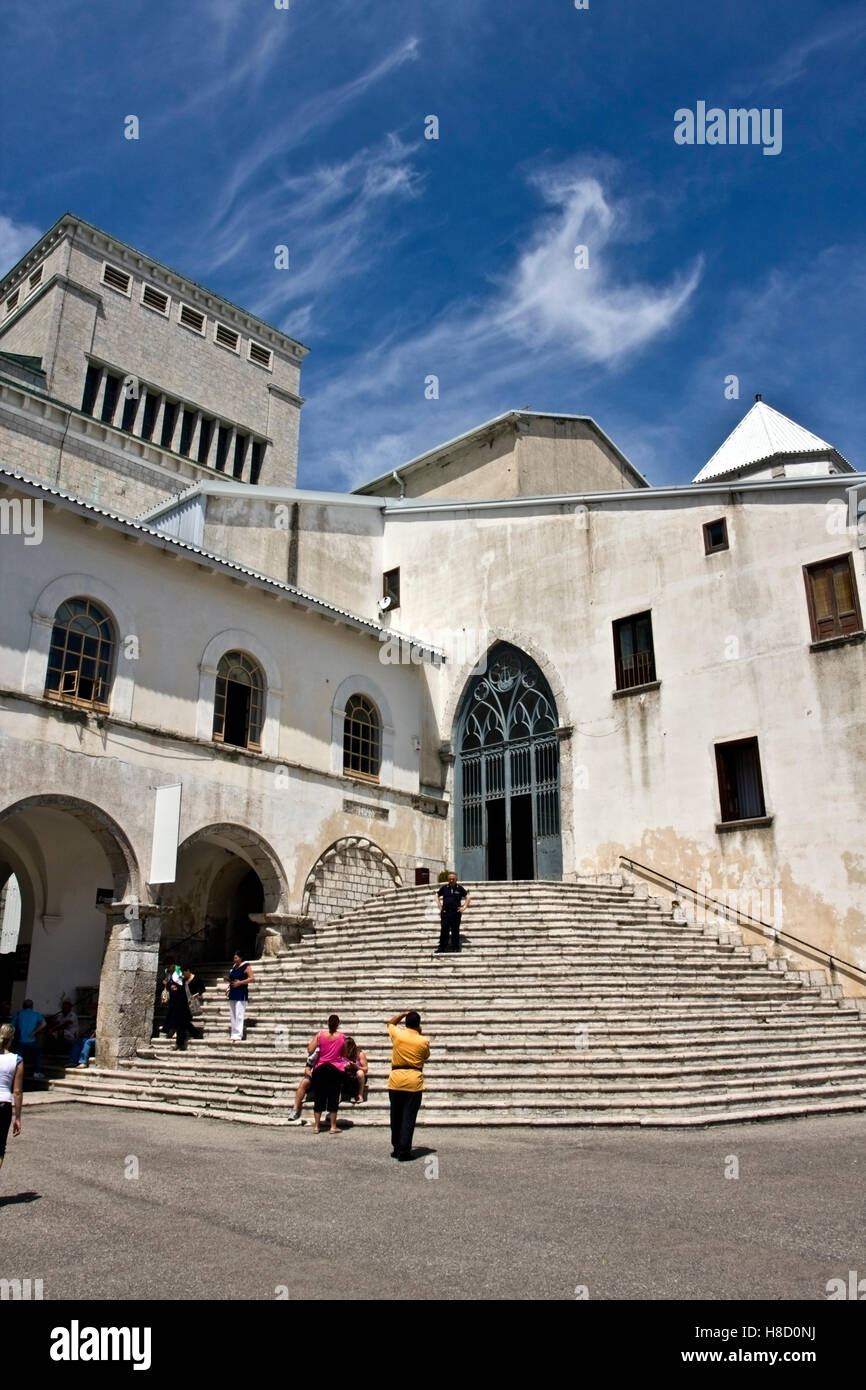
507, 773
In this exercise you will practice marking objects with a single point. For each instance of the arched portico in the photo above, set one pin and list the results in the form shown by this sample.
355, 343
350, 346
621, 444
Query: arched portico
67, 855
226, 874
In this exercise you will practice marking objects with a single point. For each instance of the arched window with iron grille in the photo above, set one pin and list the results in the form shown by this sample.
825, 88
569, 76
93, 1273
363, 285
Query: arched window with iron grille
507, 813
362, 738
81, 656
239, 701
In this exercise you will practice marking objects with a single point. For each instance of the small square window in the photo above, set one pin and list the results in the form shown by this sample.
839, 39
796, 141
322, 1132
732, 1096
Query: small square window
116, 279
741, 790
391, 590
192, 319
261, 355
226, 337
715, 536
155, 299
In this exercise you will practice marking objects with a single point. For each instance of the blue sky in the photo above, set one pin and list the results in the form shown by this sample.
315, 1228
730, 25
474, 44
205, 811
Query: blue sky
454, 257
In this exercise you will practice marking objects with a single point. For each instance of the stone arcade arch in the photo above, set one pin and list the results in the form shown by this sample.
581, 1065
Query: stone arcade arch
226, 874
85, 919
507, 816
348, 873
64, 852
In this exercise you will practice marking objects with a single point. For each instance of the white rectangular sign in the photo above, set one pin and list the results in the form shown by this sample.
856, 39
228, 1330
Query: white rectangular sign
166, 825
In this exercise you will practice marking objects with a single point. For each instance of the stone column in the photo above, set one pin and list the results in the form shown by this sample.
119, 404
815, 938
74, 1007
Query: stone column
210, 461
194, 437
229, 460
128, 980
99, 398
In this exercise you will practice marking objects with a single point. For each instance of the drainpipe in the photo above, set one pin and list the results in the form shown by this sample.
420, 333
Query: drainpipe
400, 483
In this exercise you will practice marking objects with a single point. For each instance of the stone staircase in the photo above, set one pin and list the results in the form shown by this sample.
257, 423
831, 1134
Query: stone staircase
571, 1004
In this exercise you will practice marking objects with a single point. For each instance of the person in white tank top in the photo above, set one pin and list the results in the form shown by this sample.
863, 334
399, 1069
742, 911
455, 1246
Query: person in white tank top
11, 1088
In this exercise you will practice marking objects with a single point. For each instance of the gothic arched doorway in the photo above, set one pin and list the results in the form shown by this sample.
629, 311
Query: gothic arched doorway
507, 773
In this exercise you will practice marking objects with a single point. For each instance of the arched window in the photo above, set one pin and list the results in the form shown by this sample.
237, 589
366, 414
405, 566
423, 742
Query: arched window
362, 737
81, 656
238, 701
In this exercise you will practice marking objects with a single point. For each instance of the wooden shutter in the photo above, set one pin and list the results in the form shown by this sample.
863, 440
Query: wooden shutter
833, 604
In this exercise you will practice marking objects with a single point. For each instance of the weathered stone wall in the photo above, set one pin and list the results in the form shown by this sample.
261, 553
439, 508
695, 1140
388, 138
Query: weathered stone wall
349, 873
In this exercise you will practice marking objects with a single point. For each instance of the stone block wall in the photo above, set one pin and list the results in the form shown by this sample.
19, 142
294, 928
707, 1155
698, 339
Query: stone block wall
349, 873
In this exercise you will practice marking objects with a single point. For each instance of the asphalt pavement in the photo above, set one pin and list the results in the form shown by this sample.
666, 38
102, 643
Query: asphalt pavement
110, 1204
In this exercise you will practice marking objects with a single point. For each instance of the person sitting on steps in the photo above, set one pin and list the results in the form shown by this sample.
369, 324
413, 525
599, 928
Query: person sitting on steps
304, 1086
355, 1077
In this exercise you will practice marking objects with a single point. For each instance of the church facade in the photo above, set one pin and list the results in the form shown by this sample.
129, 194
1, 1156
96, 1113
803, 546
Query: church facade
229, 704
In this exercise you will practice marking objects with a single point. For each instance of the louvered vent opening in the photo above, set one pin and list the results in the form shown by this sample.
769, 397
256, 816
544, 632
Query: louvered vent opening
116, 279
226, 337
12, 302
36, 277
191, 318
262, 356
154, 299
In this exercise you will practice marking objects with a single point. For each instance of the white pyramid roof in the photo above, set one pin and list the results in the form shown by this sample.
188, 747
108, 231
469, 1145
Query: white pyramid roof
761, 435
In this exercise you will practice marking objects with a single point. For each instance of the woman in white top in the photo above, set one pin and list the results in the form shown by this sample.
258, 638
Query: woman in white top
11, 1088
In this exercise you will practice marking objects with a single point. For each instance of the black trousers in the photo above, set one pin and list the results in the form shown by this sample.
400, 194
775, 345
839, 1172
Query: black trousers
450, 927
404, 1112
325, 1085
5, 1122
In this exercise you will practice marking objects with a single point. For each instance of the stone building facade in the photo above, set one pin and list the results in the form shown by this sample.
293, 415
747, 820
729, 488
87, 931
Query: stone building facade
227, 703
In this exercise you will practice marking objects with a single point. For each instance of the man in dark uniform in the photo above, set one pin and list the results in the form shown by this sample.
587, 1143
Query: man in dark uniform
453, 901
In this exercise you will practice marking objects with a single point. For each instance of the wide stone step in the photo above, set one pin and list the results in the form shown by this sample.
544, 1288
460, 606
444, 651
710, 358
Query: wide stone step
455, 1084
279, 1067
646, 1100
305, 1020
560, 1117
565, 1000
671, 1056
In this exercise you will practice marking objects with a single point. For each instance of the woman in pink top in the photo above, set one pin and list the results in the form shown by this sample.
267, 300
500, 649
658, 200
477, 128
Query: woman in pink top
327, 1078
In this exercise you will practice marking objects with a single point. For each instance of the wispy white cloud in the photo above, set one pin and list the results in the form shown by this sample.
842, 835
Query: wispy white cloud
242, 68
15, 239
313, 115
844, 30
591, 310
541, 310
330, 218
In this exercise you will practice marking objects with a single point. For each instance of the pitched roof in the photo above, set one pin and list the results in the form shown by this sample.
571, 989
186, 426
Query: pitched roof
10, 477
508, 417
763, 434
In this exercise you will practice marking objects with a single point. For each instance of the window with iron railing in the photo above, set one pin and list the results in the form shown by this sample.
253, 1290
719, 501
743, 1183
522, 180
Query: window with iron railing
633, 651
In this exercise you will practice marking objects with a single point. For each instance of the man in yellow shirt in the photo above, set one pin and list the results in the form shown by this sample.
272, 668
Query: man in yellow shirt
410, 1050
